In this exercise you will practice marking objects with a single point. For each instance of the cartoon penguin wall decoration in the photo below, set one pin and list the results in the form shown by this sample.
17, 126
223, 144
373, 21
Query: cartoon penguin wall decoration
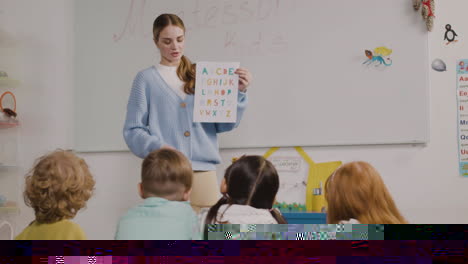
450, 34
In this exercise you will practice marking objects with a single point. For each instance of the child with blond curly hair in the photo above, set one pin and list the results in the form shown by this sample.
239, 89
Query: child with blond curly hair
57, 187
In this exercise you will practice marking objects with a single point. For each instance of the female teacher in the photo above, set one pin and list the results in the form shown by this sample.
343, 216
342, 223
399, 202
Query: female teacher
160, 111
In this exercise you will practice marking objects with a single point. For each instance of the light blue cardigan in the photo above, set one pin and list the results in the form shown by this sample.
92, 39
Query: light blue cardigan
157, 116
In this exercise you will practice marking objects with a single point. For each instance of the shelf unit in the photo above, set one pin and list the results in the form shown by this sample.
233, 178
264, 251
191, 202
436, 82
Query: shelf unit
9, 183
9, 124
8, 166
9, 209
10, 83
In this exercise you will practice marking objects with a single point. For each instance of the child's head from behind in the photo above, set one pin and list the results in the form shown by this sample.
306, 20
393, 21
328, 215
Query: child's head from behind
167, 174
356, 191
58, 186
250, 180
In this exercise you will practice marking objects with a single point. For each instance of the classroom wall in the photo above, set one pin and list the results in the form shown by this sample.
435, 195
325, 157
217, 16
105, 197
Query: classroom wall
423, 180
36, 47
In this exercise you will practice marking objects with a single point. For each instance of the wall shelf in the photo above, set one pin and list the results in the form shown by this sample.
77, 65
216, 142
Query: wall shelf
8, 166
11, 124
10, 83
13, 209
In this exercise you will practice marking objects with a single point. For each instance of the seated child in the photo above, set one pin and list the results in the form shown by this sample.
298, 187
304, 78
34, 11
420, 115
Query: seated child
165, 214
57, 187
356, 193
249, 189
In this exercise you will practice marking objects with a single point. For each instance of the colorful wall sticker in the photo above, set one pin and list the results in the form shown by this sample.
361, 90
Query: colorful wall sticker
450, 34
378, 57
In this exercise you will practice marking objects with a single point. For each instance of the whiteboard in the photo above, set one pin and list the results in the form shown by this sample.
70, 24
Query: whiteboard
310, 86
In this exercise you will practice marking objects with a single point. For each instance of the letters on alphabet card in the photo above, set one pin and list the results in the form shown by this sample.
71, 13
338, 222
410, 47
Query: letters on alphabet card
216, 89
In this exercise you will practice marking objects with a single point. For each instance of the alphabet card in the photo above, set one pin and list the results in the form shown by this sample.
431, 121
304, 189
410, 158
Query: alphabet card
462, 101
216, 89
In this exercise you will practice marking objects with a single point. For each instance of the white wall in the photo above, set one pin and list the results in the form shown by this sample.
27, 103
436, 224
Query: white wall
423, 180
36, 47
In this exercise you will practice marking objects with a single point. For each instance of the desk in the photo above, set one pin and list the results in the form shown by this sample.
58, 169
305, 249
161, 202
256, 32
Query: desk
305, 218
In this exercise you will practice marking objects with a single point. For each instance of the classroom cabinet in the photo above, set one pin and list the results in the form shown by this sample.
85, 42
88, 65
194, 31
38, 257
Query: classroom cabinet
9, 169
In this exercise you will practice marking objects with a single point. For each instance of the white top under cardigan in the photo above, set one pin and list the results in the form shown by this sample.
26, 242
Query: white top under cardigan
169, 75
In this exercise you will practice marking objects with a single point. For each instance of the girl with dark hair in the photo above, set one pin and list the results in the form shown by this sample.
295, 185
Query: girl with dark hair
249, 189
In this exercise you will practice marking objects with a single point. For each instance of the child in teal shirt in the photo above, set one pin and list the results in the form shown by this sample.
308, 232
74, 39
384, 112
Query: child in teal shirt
165, 214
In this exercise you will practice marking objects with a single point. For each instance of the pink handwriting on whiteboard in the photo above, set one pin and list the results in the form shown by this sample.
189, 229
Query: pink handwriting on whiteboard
262, 44
134, 19
200, 15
